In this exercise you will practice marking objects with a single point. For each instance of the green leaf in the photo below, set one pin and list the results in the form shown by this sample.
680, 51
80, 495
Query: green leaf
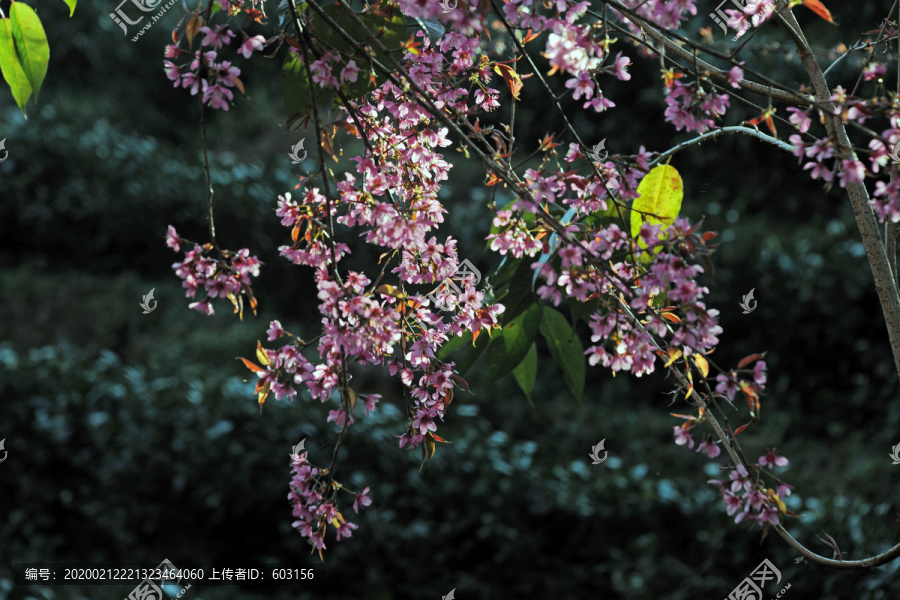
505, 270
31, 44
566, 349
71, 4
464, 342
9, 65
295, 89
518, 296
526, 371
554, 245
453, 344
661, 191
474, 352
513, 344
583, 310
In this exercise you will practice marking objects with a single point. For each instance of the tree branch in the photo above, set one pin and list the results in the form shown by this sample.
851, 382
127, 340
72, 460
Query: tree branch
716, 133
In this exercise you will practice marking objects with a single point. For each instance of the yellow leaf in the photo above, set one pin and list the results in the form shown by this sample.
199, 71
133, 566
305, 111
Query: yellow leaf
389, 290
429, 444
261, 355
673, 356
263, 394
659, 201
774, 497
702, 364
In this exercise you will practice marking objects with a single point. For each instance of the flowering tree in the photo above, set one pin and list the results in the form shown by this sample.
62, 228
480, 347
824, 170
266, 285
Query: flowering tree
600, 231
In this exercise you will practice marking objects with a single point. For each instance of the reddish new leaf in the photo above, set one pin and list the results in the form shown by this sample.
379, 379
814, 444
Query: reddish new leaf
749, 359
251, 366
513, 82
530, 37
193, 26
819, 8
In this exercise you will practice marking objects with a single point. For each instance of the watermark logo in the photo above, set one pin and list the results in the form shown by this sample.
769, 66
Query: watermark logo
598, 153
745, 302
463, 272
595, 453
296, 159
751, 587
3, 441
296, 450
449, 596
145, 6
721, 18
895, 453
165, 575
447, 7
895, 153
145, 304
3, 147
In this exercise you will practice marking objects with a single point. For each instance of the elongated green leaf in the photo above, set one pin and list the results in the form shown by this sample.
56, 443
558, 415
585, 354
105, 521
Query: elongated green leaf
518, 296
513, 344
583, 310
473, 353
661, 191
13, 73
295, 89
453, 344
526, 371
31, 44
554, 245
71, 4
566, 349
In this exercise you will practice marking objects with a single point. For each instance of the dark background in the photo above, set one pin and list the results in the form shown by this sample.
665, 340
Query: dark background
134, 438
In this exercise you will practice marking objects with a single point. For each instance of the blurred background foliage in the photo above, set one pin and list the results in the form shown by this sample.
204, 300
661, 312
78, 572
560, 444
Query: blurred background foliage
134, 438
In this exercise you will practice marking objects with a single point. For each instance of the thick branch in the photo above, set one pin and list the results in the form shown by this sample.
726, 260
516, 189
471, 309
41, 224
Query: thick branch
859, 196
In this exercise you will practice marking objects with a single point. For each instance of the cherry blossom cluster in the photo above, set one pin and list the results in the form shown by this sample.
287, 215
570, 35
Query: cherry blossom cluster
393, 201
224, 276
664, 13
572, 48
645, 286
312, 497
754, 13
757, 502
692, 108
750, 382
824, 162
201, 72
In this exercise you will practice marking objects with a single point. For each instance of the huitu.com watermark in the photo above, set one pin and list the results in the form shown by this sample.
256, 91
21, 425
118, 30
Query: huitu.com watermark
751, 587
145, 6
167, 576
